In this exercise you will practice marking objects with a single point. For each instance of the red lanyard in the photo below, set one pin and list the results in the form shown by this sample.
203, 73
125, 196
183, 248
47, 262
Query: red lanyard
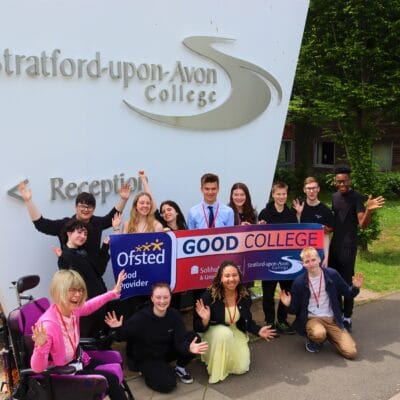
72, 342
319, 289
232, 318
215, 216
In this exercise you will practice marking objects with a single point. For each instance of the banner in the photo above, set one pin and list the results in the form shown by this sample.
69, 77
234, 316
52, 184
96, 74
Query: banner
190, 259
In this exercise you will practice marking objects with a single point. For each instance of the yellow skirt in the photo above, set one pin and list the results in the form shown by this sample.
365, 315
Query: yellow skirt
228, 351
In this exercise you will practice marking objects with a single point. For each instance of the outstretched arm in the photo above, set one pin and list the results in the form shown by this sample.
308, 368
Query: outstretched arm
124, 194
203, 312
26, 195
364, 218
267, 333
299, 207
112, 321
147, 189
198, 347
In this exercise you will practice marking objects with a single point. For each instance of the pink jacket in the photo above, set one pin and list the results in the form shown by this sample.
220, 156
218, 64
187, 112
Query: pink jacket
55, 343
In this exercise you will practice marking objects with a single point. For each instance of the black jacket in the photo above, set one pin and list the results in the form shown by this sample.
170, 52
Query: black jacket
152, 337
245, 322
90, 269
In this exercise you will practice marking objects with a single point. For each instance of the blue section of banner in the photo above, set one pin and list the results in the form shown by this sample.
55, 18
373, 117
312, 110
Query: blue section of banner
146, 259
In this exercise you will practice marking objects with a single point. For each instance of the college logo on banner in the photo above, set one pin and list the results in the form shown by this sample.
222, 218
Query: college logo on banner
146, 259
189, 259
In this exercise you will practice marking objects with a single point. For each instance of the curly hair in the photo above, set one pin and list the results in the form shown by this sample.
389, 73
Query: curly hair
217, 289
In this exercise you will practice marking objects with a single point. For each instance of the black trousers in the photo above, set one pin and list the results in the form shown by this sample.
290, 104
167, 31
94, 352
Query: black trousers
268, 288
115, 390
343, 259
158, 374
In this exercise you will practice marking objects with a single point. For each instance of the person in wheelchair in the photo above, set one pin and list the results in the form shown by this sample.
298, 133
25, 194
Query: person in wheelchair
56, 333
74, 256
158, 337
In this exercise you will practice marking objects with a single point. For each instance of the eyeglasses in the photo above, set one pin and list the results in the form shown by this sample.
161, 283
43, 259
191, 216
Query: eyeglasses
311, 189
85, 207
76, 290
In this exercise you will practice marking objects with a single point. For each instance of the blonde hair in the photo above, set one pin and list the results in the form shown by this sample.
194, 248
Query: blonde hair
309, 251
150, 218
310, 179
64, 280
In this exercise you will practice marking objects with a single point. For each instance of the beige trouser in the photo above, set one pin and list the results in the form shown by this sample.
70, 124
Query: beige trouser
321, 328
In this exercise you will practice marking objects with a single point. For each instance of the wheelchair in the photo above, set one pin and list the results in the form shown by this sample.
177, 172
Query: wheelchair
55, 383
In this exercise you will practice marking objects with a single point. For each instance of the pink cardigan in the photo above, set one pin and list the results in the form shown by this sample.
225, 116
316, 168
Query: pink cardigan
55, 342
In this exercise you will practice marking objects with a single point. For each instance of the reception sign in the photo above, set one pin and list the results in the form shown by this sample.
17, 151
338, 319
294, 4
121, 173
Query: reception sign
190, 259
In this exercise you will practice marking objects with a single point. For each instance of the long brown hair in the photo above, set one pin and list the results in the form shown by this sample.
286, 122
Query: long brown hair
249, 213
216, 288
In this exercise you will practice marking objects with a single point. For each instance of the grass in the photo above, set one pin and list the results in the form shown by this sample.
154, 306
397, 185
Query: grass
381, 265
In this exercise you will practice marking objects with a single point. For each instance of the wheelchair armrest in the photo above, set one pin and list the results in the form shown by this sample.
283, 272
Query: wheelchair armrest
59, 370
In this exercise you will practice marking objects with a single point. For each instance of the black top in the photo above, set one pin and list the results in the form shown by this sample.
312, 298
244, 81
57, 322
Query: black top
217, 309
153, 337
345, 209
97, 224
319, 214
91, 271
271, 215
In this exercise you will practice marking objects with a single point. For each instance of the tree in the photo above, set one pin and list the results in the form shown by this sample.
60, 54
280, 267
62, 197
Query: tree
347, 79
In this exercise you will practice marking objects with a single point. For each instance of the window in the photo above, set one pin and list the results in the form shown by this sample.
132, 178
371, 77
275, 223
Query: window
382, 155
286, 152
324, 154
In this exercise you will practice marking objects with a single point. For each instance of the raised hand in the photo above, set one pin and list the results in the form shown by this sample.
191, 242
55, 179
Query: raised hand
112, 321
267, 333
373, 204
358, 279
39, 335
118, 285
198, 347
203, 311
298, 206
116, 221
125, 191
285, 297
57, 251
25, 193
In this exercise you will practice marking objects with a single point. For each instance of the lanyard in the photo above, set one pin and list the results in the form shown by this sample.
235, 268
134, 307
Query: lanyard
232, 318
72, 342
215, 216
319, 289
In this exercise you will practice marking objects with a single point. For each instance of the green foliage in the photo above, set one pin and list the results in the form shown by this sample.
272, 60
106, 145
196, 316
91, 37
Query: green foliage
389, 182
347, 80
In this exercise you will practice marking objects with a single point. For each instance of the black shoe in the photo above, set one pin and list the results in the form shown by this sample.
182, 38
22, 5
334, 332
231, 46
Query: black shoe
313, 347
184, 376
348, 325
285, 328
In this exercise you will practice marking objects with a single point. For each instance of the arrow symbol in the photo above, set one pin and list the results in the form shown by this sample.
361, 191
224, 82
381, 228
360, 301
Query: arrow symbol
13, 192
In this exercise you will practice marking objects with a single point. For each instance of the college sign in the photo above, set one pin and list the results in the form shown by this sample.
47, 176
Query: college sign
190, 259
104, 89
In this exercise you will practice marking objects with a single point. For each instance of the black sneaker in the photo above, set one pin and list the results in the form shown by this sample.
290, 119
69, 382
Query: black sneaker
184, 376
285, 328
313, 347
347, 325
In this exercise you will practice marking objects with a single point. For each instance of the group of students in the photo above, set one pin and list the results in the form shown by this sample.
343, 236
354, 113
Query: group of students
222, 314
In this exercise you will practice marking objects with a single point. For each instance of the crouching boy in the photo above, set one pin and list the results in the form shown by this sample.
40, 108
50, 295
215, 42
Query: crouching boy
314, 299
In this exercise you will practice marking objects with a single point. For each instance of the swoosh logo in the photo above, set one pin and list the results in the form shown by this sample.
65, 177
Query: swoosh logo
249, 97
295, 266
